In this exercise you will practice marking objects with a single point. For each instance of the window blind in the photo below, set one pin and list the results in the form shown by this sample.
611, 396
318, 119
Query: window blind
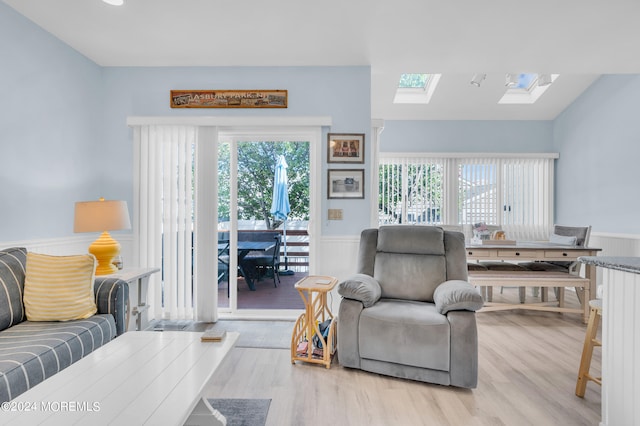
163, 214
513, 192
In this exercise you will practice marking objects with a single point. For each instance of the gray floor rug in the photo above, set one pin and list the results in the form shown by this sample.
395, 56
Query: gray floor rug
253, 334
242, 412
259, 334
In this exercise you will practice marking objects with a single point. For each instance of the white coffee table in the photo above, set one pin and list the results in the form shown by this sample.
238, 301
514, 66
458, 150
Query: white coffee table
143, 377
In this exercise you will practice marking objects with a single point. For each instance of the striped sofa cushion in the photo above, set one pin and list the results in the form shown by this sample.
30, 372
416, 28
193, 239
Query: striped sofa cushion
12, 272
59, 288
33, 351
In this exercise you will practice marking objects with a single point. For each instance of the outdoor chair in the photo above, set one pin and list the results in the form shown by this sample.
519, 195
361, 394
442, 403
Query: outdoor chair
267, 262
223, 262
409, 312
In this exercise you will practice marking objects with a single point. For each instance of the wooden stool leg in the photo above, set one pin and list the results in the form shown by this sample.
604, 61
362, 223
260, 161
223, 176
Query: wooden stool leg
587, 352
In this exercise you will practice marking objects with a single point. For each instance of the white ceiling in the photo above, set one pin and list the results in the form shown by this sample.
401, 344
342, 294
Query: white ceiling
578, 39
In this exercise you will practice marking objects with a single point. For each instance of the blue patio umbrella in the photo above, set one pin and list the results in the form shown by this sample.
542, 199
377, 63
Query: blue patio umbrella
280, 207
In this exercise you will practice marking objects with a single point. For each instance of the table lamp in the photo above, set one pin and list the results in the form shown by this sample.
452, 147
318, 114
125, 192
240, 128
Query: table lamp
102, 216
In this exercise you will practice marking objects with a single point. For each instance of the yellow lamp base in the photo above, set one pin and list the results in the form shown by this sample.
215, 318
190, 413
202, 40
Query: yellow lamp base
105, 249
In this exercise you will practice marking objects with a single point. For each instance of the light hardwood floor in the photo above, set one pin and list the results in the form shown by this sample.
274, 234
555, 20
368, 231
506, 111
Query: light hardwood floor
528, 364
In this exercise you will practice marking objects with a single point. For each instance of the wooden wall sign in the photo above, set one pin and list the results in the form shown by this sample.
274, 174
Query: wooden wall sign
228, 99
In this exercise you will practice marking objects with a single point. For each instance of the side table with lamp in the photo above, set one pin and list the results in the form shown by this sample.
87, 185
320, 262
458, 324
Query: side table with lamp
102, 216
110, 215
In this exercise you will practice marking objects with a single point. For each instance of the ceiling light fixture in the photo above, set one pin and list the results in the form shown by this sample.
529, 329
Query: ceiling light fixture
544, 79
114, 2
511, 80
477, 79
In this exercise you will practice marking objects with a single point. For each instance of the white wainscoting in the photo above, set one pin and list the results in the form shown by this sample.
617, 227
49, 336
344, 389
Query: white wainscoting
77, 244
627, 245
620, 349
337, 257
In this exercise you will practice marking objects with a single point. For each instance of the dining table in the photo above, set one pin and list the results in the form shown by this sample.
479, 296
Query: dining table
531, 251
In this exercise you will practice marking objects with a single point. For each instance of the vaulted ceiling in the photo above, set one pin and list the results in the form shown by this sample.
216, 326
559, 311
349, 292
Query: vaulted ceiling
578, 39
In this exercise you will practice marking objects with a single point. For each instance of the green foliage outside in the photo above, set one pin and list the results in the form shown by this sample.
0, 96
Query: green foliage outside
256, 168
413, 80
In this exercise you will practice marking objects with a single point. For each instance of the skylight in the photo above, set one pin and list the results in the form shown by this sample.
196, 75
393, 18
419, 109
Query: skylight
416, 88
528, 89
526, 81
414, 81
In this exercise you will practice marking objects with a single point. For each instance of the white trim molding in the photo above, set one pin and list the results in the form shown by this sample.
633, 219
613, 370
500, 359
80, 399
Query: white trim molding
76, 244
470, 154
222, 121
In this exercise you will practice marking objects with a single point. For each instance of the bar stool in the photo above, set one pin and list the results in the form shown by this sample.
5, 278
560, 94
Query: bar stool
590, 341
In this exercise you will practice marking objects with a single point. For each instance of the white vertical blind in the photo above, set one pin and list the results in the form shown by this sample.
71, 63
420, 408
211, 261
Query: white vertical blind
163, 219
477, 191
513, 192
411, 190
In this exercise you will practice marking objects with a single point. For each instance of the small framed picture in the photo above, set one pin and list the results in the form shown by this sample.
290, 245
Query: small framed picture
343, 183
345, 148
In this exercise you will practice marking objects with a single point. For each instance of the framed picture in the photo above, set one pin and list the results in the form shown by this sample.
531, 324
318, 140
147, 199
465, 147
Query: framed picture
345, 148
343, 183
228, 99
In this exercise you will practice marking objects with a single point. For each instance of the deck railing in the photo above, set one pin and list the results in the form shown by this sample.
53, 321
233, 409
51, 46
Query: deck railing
297, 248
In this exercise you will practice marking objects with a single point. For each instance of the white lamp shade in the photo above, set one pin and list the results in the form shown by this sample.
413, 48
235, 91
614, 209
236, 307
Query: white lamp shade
114, 2
100, 216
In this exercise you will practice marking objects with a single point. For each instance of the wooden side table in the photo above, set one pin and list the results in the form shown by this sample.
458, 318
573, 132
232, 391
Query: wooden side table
313, 290
137, 310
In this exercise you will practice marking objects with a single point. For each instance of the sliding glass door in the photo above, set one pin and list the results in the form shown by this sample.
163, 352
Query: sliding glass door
201, 190
262, 254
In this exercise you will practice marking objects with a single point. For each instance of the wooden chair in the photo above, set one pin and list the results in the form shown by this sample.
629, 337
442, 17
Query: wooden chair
590, 341
582, 234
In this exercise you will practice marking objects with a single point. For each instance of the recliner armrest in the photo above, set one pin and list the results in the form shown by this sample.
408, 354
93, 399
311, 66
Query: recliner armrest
112, 297
457, 295
362, 288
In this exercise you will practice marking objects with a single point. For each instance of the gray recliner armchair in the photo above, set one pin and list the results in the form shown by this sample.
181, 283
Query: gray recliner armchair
409, 312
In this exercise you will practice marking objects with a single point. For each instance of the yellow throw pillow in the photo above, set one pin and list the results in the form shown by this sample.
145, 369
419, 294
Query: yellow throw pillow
59, 288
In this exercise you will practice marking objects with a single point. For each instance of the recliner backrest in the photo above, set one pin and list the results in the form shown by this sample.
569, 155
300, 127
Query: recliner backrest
409, 262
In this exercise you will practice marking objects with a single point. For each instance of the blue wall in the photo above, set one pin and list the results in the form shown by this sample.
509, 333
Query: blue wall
342, 93
50, 130
467, 136
63, 132
598, 138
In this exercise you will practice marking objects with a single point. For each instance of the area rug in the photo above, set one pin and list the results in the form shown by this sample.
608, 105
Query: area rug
253, 334
242, 412
259, 334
